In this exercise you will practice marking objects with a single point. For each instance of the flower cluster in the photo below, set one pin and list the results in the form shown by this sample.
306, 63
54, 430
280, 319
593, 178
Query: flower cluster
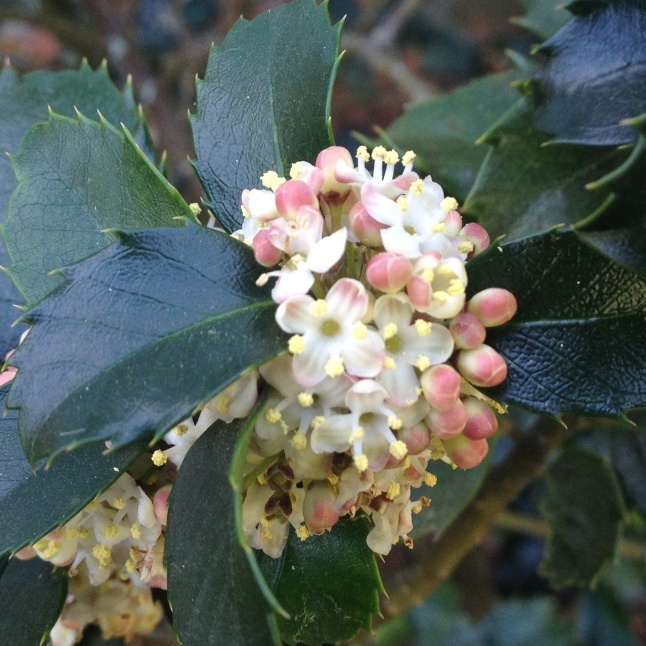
385, 355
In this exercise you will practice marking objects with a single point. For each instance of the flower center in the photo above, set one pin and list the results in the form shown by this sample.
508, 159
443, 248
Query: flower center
393, 344
330, 327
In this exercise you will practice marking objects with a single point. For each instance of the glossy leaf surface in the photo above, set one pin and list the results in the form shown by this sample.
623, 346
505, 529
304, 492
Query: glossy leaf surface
263, 103
142, 333
542, 17
577, 343
211, 589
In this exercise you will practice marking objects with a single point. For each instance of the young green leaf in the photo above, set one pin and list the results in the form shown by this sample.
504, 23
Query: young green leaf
577, 343
328, 584
142, 333
593, 77
211, 589
264, 101
78, 178
584, 508
32, 594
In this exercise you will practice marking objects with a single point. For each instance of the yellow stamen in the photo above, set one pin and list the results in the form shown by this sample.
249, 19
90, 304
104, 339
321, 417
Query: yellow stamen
379, 152
135, 531
429, 479
102, 554
317, 421
408, 158
271, 180
318, 307
273, 416
359, 331
442, 297
159, 458
333, 479
393, 491
296, 170
360, 463
390, 331
223, 403
296, 344
423, 327
465, 247
92, 505
305, 399
417, 187
428, 274
110, 531
118, 503
362, 154
298, 441
449, 204
389, 363
394, 422
402, 203
196, 209
334, 367
53, 548
303, 533
423, 362
357, 434
438, 227
456, 286
398, 450
391, 157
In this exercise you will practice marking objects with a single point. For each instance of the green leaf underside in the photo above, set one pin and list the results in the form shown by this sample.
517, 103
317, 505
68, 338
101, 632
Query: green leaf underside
32, 594
595, 74
328, 584
577, 343
211, 589
453, 492
79, 177
141, 334
542, 17
524, 187
584, 509
38, 503
443, 131
263, 103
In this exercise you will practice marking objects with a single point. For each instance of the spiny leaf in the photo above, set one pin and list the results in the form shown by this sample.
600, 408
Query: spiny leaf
264, 102
542, 17
142, 333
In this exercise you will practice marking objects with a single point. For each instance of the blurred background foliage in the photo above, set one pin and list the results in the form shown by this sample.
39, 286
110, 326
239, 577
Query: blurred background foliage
398, 53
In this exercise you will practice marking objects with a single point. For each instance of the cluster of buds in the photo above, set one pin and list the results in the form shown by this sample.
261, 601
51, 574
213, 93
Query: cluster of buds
385, 356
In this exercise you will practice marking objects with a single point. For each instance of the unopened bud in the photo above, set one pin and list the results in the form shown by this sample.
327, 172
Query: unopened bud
318, 508
493, 306
417, 438
482, 366
466, 453
309, 174
334, 191
449, 423
389, 272
293, 194
477, 235
364, 226
265, 253
481, 422
441, 386
467, 331
452, 223
160, 504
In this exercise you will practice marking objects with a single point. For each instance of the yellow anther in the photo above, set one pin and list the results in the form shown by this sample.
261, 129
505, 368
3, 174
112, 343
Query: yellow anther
262, 280
402, 203
262, 479
135, 531
408, 158
318, 307
303, 533
362, 154
395, 540
422, 362
298, 441
417, 187
438, 227
394, 422
449, 204
196, 209
416, 508
317, 421
271, 180
53, 548
423, 327
429, 479
379, 152
357, 434
110, 531
465, 247
296, 170
442, 297
408, 541
223, 403
389, 363
360, 463
131, 565
333, 479
390, 331
406, 463
83, 532
93, 504
456, 286
359, 330
398, 450
71, 532
334, 367
159, 458
264, 521
273, 416
296, 344
305, 399
391, 157
445, 270
393, 491
428, 274
102, 554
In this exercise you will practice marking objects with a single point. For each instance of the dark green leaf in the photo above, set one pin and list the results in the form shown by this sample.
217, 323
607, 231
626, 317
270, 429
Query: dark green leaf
454, 490
34, 504
329, 584
77, 179
443, 131
577, 343
524, 187
542, 17
595, 74
211, 589
264, 102
584, 508
626, 246
141, 334
32, 594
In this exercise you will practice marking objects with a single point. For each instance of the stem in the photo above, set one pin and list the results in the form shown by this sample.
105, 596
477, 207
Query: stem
412, 584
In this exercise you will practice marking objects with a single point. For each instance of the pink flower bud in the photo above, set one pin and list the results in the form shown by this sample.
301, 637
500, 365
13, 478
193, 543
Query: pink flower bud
334, 191
160, 503
264, 251
452, 223
364, 226
389, 272
467, 331
318, 507
419, 292
417, 438
477, 235
441, 386
448, 423
493, 306
7, 375
482, 366
311, 175
293, 194
481, 421
466, 453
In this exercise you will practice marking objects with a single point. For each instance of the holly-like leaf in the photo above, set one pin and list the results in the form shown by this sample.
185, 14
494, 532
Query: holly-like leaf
78, 178
33, 504
626, 246
595, 74
32, 594
328, 584
264, 102
142, 333
524, 187
443, 131
211, 588
542, 17
584, 508
577, 343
